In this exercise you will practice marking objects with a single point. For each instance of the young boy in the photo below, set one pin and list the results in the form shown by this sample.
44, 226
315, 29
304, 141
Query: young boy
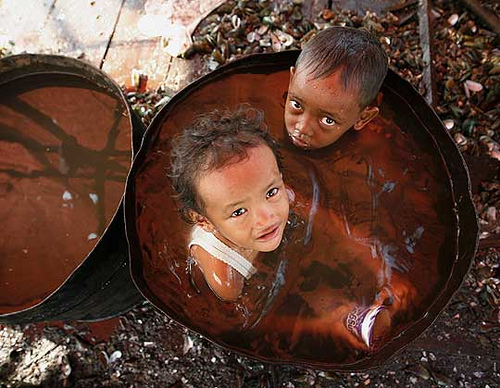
332, 87
334, 82
226, 172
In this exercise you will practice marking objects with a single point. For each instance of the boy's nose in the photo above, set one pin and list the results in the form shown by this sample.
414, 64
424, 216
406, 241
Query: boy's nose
264, 216
302, 126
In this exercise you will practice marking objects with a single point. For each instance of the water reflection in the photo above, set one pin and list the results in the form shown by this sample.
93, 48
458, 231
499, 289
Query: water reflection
371, 234
65, 151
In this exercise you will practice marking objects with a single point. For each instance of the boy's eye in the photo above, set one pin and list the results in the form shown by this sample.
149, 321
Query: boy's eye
328, 121
238, 212
295, 104
272, 192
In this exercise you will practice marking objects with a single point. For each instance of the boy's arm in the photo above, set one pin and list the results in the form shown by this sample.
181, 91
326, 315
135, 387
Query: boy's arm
222, 279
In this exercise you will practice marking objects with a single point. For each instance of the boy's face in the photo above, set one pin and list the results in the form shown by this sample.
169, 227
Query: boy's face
245, 202
319, 111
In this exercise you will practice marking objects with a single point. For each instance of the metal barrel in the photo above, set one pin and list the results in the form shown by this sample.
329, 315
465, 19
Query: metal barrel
392, 200
67, 141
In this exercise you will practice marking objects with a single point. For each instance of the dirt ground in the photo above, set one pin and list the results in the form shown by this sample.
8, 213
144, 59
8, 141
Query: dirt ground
144, 348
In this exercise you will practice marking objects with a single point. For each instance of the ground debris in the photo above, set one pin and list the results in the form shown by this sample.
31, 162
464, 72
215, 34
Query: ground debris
467, 63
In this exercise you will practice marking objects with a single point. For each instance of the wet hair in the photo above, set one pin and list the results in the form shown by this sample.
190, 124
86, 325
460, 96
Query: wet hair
355, 52
212, 141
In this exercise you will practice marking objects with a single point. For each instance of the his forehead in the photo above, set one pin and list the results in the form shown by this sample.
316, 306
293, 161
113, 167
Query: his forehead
235, 172
310, 86
332, 81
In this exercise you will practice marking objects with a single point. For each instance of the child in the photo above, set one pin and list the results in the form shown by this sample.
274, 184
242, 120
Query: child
332, 87
226, 172
335, 79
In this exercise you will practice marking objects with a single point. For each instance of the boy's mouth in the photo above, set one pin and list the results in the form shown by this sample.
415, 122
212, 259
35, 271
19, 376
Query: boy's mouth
298, 141
269, 234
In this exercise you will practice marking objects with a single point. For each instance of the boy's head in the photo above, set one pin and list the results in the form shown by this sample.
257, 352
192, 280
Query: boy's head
226, 173
335, 79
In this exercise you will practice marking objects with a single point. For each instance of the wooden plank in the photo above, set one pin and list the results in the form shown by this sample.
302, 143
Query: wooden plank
22, 27
80, 29
131, 49
182, 12
425, 27
66, 27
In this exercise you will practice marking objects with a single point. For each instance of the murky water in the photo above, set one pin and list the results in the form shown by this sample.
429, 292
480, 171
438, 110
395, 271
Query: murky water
373, 219
65, 151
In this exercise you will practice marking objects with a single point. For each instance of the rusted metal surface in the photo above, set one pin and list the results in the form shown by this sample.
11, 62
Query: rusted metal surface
425, 26
481, 168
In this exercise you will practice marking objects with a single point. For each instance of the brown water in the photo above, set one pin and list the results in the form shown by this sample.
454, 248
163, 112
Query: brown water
65, 151
373, 212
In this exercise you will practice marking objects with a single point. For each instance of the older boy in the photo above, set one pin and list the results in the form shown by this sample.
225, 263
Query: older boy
332, 86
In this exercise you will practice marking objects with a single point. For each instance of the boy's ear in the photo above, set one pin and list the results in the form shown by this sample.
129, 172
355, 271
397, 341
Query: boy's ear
367, 115
201, 221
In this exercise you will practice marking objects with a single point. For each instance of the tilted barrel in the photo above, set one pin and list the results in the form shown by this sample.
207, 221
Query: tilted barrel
67, 139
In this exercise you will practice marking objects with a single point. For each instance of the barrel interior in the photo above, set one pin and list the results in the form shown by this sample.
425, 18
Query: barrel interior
65, 151
378, 204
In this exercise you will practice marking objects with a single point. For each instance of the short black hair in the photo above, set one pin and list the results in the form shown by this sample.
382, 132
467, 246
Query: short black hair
210, 142
355, 52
